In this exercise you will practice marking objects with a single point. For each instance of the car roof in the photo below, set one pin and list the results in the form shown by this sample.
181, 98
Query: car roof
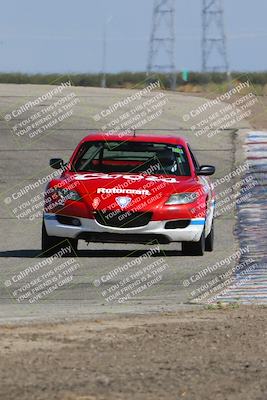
138, 137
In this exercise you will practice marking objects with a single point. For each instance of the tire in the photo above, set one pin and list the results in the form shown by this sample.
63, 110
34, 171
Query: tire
209, 242
194, 248
52, 244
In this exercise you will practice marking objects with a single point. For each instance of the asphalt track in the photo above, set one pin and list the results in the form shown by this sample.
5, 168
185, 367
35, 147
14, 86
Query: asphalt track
23, 161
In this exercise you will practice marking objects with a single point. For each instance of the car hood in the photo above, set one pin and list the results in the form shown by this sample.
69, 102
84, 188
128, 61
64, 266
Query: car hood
127, 191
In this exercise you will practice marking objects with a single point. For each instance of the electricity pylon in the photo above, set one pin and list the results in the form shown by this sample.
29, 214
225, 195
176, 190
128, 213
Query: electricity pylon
214, 52
161, 56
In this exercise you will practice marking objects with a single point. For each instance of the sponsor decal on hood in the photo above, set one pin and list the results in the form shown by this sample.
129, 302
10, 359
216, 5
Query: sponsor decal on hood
96, 202
123, 191
153, 178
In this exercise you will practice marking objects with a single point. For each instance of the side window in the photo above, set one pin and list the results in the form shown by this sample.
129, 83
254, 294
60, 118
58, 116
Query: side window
195, 162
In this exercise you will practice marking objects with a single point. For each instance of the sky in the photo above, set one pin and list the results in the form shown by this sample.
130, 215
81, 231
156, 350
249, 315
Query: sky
65, 36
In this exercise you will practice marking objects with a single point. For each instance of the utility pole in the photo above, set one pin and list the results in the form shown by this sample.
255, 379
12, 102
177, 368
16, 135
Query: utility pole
161, 57
214, 51
104, 52
104, 56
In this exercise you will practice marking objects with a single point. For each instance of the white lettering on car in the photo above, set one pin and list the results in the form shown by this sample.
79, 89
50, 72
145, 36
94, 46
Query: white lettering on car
85, 177
123, 191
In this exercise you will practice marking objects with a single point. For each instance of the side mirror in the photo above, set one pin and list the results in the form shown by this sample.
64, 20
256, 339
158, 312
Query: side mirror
56, 163
206, 170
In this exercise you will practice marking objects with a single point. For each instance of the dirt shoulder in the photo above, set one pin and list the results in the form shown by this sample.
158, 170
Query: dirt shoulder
200, 354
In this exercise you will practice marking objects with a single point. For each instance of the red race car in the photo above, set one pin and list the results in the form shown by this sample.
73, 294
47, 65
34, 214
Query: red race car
130, 189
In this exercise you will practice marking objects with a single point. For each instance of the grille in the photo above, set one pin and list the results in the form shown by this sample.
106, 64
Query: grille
123, 219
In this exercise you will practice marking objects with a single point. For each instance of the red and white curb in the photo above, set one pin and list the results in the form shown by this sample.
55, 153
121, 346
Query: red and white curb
251, 287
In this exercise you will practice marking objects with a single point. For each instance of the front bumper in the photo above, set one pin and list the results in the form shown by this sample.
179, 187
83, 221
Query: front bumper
92, 231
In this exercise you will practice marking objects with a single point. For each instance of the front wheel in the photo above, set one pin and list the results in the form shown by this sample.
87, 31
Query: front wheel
53, 244
194, 248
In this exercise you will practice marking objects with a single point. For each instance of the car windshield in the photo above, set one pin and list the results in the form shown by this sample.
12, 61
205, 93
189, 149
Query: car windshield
132, 157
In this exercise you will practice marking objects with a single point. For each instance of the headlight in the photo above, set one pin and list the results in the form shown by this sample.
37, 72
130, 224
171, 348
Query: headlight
182, 198
66, 194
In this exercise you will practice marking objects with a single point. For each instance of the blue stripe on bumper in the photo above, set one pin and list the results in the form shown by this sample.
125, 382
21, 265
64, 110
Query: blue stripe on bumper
197, 222
49, 216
